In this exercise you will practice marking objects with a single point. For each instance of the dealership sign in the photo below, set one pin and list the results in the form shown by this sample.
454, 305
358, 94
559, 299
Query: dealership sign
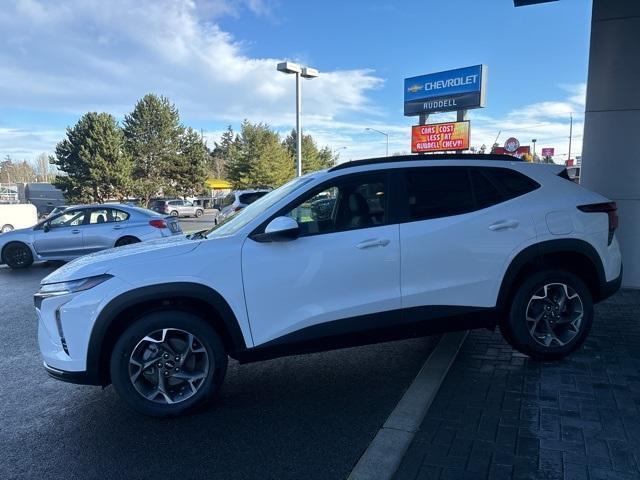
439, 137
459, 89
511, 145
548, 152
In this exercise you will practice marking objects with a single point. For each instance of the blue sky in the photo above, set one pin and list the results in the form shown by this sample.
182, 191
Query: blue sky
216, 60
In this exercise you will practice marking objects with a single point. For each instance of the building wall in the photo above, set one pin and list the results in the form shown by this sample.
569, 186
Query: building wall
611, 154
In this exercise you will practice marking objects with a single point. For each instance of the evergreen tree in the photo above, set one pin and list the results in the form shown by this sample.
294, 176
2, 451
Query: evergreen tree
223, 154
261, 160
94, 159
152, 132
313, 159
189, 172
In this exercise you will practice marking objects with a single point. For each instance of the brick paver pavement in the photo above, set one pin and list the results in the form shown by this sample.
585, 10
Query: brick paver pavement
501, 415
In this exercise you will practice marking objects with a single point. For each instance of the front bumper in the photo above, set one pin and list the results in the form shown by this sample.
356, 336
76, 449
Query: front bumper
65, 324
80, 378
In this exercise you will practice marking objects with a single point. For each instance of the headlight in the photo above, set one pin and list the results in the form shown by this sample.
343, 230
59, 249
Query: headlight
73, 286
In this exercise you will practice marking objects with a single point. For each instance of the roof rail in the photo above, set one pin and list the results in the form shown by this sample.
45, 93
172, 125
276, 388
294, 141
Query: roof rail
435, 156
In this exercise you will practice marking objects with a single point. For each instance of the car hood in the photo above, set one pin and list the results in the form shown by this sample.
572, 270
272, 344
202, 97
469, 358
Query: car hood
101, 262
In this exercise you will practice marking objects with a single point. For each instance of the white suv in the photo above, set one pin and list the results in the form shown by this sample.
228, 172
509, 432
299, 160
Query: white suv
367, 251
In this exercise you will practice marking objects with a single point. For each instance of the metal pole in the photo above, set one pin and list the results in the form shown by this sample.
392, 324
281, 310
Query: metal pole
298, 128
461, 116
570, 135
387, 135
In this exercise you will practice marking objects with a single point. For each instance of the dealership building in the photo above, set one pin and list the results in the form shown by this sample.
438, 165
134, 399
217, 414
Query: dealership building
612, 117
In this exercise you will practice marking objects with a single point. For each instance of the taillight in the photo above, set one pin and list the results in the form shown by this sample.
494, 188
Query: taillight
165, 208
161, 223
237, 209
610, 208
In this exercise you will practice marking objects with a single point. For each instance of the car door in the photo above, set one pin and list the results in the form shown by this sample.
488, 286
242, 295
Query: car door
457, 241
100, 230
341, 275
188, 208
61, 236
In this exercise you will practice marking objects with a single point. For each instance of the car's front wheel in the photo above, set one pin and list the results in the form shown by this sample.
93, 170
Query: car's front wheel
550, 316
199, 213
17, 255
6, 228
168, 363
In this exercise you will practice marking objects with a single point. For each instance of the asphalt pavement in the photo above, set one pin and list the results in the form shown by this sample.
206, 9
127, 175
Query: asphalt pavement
190, 224
298, 417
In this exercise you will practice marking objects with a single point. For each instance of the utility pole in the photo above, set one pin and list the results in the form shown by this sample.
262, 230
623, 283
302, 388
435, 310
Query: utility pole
570, 134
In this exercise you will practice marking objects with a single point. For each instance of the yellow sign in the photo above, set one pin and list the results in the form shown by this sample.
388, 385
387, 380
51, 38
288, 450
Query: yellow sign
217, 183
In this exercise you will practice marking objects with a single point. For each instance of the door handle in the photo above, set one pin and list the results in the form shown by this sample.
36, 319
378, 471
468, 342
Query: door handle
374, 242
503, 225
76, 231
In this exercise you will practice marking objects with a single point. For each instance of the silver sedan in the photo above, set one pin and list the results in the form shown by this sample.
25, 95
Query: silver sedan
81, 230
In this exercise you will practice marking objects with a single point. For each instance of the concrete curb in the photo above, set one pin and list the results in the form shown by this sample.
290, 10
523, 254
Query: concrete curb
382, 457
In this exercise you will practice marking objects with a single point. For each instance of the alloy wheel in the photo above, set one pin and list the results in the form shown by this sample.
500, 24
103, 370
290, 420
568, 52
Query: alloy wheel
554, 315
169, 366
17, 255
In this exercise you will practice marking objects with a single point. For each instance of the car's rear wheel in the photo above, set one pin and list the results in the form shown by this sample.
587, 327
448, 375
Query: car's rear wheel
199, 213
174, 213
550, 316
6, 228
168, 363
17, 255
126, 241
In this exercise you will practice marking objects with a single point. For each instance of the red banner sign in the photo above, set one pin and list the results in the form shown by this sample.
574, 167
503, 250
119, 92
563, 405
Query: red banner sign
440, 137
548, 152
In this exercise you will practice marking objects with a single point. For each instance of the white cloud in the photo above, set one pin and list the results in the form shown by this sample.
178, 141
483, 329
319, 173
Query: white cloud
91, 54
80, 55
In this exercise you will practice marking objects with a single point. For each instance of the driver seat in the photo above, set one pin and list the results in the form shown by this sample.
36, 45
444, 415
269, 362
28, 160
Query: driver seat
358, 211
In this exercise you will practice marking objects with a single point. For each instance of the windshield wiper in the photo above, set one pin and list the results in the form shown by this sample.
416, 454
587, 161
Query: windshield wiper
198, 234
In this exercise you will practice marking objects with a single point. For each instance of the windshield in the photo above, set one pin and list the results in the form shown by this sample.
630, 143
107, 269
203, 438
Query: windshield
234, 223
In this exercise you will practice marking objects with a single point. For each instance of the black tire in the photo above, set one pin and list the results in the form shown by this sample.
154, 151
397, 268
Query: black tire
174, 213
554, 318
17, 255
126, 241
199, 213
156, 321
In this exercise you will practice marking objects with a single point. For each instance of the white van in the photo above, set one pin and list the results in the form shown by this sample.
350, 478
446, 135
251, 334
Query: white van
17, 216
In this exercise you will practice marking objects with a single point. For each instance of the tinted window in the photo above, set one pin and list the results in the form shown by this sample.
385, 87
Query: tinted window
438, 192
346, 205
485, 192
68, 219
228, 200
512, 183
249, 198
98, 216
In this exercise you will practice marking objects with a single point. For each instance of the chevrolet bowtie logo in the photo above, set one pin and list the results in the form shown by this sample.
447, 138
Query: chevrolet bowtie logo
415, 88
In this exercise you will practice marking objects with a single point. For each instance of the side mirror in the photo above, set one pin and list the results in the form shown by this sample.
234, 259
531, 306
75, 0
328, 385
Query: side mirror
280, 229
46, 227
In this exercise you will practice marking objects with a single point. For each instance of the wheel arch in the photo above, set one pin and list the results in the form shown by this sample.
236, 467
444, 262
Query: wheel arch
123, 310
126, 236
574, 255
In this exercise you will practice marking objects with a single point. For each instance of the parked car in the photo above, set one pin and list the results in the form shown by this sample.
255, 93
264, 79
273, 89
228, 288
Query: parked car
413, 246
177, 208
81, 230
17, 215
236, 201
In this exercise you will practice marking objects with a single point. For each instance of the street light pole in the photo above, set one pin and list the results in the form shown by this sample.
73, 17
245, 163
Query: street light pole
298, 129
382, 133
534, 140
306, 72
